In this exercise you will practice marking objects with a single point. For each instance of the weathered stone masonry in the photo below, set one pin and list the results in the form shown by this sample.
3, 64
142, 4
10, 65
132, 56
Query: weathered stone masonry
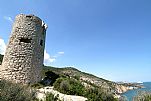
23, 60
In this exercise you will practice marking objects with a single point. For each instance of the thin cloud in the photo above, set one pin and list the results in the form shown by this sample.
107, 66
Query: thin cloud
2, 46
61, 53
50, 59
58, 54
47, 58
8, 18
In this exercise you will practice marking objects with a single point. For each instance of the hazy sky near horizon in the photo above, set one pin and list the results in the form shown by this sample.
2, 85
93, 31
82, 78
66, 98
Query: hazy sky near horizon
108, 38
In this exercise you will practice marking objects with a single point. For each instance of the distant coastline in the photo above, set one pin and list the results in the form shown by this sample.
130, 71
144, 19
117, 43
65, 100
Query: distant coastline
124, 87
145, 86
132, 86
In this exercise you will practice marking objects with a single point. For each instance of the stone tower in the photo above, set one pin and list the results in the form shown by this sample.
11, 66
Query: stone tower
23, 59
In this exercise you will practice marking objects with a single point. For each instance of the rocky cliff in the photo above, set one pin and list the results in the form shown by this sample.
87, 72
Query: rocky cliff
41, 94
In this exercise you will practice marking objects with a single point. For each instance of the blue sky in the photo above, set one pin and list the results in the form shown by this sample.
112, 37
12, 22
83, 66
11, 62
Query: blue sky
107, 38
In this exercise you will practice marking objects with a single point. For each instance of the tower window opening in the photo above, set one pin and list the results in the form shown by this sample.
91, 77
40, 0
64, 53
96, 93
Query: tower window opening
25, 40
29, 16
41, 42
44, 30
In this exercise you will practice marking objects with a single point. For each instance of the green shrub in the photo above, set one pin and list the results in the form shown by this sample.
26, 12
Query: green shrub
76, 88
97, 94
73, 87
37, 85
77, 76
15, 92
69, 86
65, 86
57, 84
123, 98
50, 97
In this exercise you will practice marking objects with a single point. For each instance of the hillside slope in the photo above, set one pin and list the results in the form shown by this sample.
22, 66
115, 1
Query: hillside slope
108, 88
82, 76
90, 80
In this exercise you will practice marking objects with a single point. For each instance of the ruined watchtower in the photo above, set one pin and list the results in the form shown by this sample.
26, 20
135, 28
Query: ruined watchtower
23, 60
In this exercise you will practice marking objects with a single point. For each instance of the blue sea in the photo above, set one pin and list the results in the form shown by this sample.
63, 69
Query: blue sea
131, 93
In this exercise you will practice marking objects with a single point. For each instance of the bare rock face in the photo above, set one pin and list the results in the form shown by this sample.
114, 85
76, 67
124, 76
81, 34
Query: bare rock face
41, 95
121, 88
23, 60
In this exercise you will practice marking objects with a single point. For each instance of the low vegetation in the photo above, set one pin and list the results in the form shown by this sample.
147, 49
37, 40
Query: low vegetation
15, 92
50, 97
72, 86
142, 96
69, 86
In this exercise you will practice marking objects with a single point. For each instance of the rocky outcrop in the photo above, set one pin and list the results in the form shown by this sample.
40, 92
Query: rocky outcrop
41, 94
121, 89
124, 87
